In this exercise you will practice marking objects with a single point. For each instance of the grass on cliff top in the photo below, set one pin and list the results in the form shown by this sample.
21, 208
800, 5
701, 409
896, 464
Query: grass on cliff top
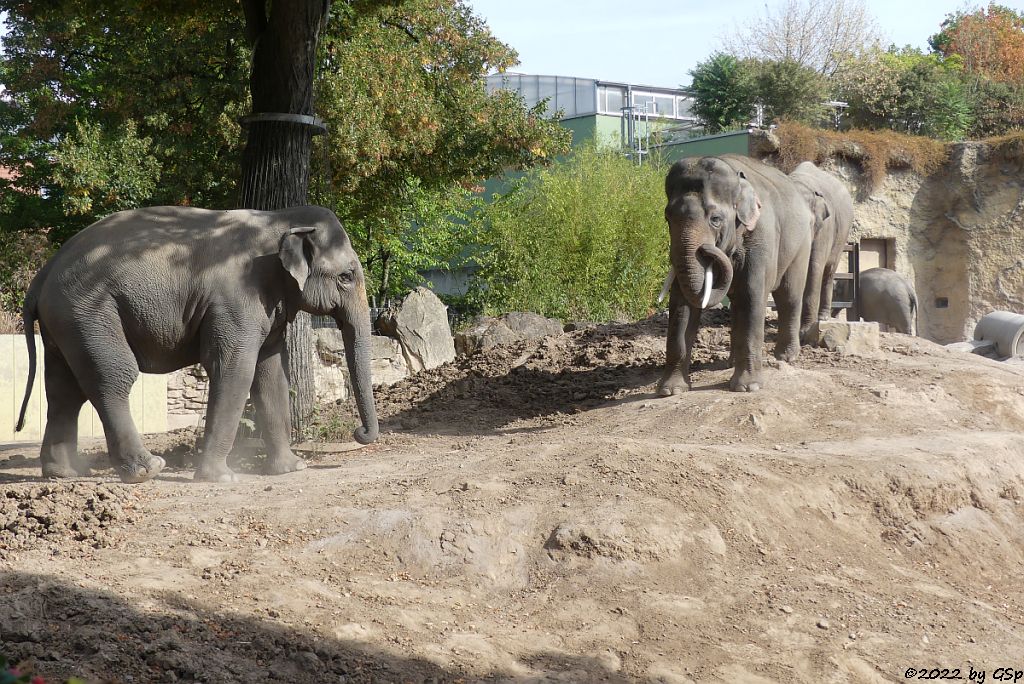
874, 151
878, 151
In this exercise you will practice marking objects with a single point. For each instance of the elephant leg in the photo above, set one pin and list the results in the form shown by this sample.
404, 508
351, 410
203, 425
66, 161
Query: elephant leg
788, 301
231, 375
748, 305
270, 396
59, 453
106, 369
683, 323
827, 283
812, 297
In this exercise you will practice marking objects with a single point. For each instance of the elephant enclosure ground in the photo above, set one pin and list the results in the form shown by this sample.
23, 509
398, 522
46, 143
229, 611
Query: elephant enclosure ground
535, 513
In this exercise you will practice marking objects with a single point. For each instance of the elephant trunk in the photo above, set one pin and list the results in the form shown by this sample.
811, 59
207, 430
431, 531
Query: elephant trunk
705, 275
355, 331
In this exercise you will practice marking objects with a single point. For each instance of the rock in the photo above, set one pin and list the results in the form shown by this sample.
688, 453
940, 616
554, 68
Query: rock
848, 338
421, 327
487, 332
823, 624
331, 376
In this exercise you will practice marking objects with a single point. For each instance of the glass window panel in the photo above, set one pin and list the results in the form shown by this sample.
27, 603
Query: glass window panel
683, 107
642, 100
546, 89
613, 100
528, 89
665, 104
565, 98
586, 96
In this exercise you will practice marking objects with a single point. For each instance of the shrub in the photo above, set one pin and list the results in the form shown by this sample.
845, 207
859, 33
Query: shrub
584, 239
22, 254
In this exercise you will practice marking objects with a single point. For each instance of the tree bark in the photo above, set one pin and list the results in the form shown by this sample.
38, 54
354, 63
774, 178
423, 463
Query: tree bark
275, 162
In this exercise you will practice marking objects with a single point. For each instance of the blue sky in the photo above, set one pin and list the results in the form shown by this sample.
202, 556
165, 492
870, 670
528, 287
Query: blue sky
658, 42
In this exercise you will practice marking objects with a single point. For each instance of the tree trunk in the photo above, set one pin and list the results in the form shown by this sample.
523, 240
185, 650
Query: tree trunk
275, 163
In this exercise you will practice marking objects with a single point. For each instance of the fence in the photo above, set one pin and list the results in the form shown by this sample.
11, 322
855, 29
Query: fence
148, 400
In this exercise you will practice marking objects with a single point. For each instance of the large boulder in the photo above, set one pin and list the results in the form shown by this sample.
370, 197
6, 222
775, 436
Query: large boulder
331, 376
487, 332
847, 337
420, 324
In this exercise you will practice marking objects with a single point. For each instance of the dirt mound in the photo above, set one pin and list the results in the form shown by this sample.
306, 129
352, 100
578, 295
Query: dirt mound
52, 515
536, 513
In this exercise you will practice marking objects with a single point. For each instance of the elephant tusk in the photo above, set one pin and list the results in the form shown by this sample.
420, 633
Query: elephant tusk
668, 283
709, 279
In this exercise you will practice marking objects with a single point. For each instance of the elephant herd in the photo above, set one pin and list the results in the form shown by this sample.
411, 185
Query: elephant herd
743, 228
158, 289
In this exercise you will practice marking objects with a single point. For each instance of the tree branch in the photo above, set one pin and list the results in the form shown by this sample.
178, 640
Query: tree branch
403, 27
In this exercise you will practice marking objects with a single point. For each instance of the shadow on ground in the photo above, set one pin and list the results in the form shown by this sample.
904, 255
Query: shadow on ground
59, 630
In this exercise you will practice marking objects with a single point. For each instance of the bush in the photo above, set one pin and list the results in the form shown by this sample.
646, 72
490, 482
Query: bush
22, 254
584, 239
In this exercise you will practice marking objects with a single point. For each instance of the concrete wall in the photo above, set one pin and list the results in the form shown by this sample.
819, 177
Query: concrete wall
734, 142
148, 399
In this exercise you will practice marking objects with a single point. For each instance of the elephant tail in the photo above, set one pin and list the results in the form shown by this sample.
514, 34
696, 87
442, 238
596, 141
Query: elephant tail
914, 312
28, 317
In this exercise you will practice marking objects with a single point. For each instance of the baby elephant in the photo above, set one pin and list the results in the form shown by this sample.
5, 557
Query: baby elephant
887, 297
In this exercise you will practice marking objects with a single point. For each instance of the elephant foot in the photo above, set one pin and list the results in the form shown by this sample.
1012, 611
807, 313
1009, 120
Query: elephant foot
672, 384
788, 354
63, 470
745, 381
141, 469
215, 473
285, 464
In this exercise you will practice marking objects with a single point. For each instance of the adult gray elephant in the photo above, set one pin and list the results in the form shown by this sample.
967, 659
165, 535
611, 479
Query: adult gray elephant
832, 206
887, 297
737, 227
158, 289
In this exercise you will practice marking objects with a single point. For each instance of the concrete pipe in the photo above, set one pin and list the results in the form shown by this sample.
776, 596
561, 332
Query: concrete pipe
1005, 329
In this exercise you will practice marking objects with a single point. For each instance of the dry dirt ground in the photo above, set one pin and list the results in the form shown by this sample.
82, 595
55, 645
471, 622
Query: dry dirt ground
535, 513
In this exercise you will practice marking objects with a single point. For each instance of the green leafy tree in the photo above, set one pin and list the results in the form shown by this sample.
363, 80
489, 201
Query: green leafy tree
789, 90
101, 172
723, 89
399, 85
908, 91
584, 239
418, 129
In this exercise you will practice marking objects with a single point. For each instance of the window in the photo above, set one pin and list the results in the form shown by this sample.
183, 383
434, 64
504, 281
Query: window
611, 99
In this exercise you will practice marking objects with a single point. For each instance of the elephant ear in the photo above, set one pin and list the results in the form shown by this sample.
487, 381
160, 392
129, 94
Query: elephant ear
296, 253
748, 205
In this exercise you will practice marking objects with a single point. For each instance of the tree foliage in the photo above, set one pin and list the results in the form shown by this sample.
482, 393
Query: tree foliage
817, 34
85, 78
414, 128
926, 94
989, 41
400, 87
723, 91
582, 240
790, 91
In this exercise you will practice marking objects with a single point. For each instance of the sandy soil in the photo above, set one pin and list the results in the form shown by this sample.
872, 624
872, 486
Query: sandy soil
535, 513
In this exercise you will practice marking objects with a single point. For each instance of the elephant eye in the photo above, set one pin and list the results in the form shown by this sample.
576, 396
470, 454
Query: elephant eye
716, 220
345, 277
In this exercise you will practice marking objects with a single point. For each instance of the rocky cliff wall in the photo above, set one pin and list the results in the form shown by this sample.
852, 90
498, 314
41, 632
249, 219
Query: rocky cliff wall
958, 233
